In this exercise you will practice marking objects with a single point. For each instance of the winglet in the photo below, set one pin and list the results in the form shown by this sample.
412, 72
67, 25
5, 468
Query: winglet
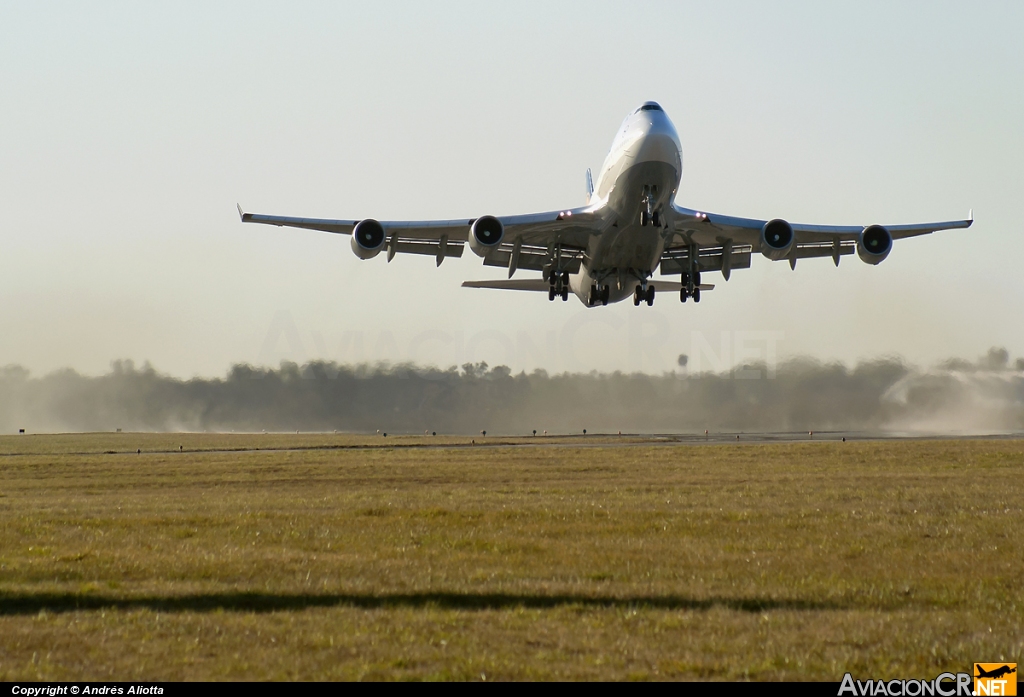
246, 217
970, 215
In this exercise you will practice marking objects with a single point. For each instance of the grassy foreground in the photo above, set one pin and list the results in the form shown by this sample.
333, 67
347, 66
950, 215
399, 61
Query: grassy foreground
795, 561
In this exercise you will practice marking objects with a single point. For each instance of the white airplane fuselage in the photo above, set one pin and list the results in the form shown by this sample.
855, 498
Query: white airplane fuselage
645, 162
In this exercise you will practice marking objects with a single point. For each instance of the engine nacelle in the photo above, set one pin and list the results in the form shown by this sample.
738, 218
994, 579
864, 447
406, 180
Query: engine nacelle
777, 239
874, 244
485, 235
368, 238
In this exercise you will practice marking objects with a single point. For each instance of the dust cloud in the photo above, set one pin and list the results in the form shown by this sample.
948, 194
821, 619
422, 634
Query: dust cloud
956, 397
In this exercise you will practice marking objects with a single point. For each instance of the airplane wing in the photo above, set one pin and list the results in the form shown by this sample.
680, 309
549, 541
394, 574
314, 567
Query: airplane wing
727, 242
748, 230
528, 237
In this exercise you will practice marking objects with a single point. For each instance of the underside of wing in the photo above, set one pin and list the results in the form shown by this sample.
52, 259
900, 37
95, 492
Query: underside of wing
408, 229
524, 241
701, 226
699, 241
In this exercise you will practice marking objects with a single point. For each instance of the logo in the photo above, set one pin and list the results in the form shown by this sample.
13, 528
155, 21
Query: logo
995, 679
945, 685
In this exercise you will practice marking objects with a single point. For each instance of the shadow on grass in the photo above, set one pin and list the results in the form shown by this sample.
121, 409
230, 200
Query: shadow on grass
32, 603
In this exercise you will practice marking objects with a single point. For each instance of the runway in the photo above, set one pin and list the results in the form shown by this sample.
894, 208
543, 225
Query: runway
164, 443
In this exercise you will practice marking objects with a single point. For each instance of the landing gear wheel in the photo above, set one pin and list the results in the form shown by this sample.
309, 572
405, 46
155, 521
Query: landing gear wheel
683, 295
696, 278
606, 293
696, 295
650, 296
637, 294
551, 293
656, 219
565, 294
644, 219
565, 278
595, 296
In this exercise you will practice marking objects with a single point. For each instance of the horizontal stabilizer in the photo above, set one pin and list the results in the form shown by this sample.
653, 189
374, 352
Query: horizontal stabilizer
661, 286
536, 284
540, 285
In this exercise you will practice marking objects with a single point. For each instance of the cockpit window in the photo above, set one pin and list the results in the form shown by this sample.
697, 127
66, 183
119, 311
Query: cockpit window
649, 106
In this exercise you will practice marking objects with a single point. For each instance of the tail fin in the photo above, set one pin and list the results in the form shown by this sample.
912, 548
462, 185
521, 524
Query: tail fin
590, 185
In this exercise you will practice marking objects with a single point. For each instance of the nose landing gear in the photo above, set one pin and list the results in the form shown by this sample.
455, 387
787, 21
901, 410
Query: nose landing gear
648, 215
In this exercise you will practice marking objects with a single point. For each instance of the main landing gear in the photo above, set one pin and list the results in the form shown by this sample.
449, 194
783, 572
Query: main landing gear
691, 287
642, 294
559, 281
599, 294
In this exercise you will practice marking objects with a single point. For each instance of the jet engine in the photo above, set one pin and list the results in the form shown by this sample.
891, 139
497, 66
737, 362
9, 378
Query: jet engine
777, 239
485, 235
368, 238
874, 244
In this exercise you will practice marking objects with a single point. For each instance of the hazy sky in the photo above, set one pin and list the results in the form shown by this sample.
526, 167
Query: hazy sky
129, 131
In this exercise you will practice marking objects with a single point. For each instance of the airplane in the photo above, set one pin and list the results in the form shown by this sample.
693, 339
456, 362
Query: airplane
996, 672
609, 249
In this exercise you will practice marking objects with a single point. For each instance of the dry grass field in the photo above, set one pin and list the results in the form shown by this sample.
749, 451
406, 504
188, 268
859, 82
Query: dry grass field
338, 557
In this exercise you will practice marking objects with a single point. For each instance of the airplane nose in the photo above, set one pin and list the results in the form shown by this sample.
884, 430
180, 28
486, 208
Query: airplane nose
656, 123
659, 144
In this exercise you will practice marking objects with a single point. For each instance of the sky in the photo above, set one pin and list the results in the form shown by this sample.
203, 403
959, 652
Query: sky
130, 131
